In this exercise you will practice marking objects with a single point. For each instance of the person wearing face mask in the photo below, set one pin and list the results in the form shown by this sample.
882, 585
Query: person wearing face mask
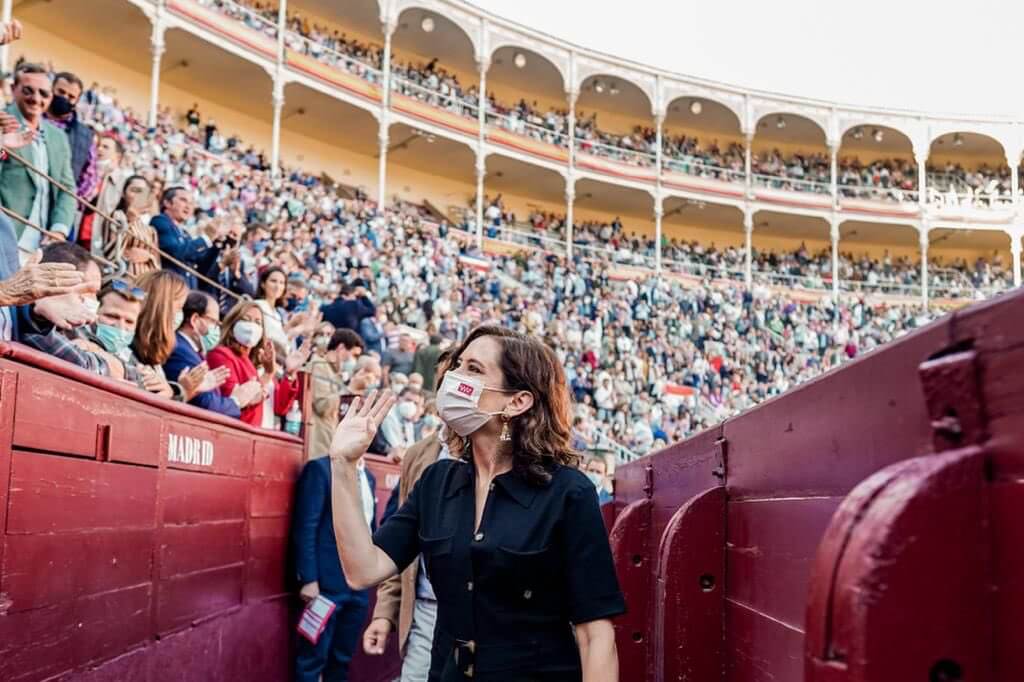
597, 472
329, 375
23, 191
517, 597
95, 232
241, 350
322, 338
67, 90
402, 427
198, 334
55, 325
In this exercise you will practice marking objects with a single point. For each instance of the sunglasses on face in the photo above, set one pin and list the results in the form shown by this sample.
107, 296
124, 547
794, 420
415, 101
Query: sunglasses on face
29, 91
127, 290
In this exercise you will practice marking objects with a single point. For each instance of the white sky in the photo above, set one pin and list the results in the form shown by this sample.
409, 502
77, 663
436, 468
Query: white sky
942, 56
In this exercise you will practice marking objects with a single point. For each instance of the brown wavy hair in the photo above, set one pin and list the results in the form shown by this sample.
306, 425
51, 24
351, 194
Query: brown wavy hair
155, 332
541, 436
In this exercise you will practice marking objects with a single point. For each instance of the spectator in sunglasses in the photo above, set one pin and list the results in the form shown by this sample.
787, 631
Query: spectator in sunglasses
21, 189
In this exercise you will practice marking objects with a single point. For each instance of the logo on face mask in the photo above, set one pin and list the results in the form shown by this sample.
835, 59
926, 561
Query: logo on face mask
465, 389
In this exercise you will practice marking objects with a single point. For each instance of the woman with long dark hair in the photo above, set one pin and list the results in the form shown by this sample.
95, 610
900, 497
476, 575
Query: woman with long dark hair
137, 241
510, 530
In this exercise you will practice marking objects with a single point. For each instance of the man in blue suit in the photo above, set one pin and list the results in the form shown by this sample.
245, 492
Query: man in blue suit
320, 573
198, 334
198, 253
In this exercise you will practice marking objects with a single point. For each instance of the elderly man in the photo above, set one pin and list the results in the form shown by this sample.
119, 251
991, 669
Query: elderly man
25, 191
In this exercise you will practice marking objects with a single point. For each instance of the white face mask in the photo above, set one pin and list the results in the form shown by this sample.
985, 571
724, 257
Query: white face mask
247, 333
408, 409
457, 402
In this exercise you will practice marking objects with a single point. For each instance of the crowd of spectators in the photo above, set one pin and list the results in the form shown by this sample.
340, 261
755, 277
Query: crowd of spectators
881, 179
361, 296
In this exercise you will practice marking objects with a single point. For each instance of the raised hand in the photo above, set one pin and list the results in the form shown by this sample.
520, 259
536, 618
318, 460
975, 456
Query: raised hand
10, 31
37, 280
296, 359
356, 430
214, 379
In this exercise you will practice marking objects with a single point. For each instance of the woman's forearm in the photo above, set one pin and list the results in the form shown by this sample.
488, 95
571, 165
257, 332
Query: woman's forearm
364, 564
597, 651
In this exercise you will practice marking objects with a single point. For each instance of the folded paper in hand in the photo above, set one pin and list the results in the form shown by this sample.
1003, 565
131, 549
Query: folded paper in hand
314, 618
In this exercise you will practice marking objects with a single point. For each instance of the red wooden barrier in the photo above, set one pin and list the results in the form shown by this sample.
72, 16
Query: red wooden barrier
769, 559
142, 540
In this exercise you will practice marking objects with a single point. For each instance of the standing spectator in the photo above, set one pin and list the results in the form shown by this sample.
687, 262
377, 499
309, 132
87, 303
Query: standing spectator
95, 231
349, 309
329, 382
401, 359
67, 90
597, 472
137, 243
320, 572
193, 118
208, 133
23, 191
372, 330
425, 360
197, 253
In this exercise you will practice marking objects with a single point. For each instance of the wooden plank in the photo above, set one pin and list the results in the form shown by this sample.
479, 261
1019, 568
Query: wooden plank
196, 446
271, 498
8, 399
269, 557
829, 434
758, 648
770, 550
193, 497
51, 494
1008, 566
195, 547
134, 427
76, 565
195, 596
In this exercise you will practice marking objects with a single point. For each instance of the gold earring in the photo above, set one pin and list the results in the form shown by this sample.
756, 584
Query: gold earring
506, 435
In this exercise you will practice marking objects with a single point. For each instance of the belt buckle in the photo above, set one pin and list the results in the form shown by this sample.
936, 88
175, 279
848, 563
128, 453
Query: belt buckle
470, 646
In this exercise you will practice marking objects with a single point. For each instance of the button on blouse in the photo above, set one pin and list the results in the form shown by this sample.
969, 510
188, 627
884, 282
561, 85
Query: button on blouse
508, 590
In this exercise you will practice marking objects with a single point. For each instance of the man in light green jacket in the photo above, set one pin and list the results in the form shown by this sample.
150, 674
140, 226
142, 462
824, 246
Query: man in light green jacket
24, 191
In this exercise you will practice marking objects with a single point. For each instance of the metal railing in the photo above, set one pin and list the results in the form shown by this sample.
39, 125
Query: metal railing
251, 18
633, 157
969, 199
435, 98
877, 193
331, 57
692, 165
520, 126
787, 183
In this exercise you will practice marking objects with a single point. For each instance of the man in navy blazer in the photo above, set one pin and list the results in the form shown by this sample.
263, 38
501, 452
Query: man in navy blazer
199, 253
200, 332
320, 573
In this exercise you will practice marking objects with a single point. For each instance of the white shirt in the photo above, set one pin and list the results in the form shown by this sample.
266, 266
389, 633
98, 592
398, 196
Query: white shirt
424, 590
6, 324
366, 494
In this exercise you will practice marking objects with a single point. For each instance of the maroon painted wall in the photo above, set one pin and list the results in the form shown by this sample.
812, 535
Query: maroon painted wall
718, 539
118, 562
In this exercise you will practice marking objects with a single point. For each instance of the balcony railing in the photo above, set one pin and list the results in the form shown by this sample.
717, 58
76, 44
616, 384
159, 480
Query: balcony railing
451, 103
250, 18
945, 190
331, 57
875, 193
790, 184
632, 157
516, 124
691, 165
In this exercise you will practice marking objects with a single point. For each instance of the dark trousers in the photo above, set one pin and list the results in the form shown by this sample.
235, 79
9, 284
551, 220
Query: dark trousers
332, 654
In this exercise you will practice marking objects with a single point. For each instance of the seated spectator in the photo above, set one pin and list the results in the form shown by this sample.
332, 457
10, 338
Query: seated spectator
330, 375
198, 334
241, 350
54, 324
